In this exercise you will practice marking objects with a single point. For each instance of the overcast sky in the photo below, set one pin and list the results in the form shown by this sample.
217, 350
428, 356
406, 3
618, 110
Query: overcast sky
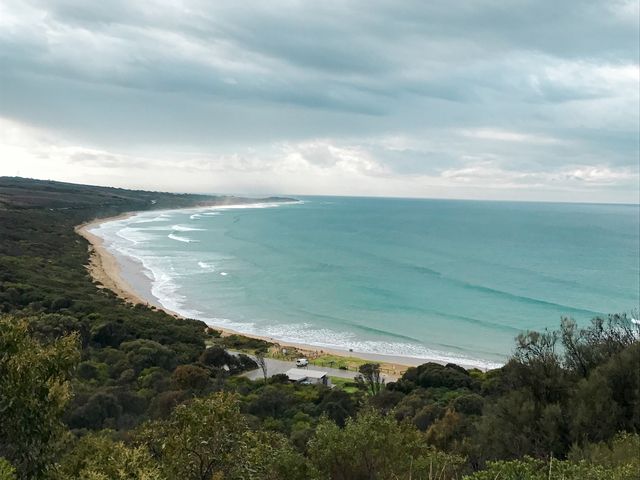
488, 99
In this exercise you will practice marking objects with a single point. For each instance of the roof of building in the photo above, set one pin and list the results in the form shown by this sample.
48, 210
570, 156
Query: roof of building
298, 374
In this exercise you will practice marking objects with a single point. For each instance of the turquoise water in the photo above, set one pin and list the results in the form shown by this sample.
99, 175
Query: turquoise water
450, 280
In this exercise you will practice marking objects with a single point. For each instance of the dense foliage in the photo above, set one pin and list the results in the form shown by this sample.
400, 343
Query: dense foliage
94, 388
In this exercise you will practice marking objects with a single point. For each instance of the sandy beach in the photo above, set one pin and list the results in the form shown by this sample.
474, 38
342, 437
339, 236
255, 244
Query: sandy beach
106, 269
103, 266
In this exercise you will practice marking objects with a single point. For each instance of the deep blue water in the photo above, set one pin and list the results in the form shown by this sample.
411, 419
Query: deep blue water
426, 278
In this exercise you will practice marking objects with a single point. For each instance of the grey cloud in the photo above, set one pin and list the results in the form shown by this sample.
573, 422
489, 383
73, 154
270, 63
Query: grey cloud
220, 77
105, 160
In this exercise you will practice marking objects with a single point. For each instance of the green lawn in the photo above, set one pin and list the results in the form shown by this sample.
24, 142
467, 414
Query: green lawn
345, 384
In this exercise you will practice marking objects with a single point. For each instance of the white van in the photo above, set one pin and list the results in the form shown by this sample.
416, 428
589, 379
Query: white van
302, 362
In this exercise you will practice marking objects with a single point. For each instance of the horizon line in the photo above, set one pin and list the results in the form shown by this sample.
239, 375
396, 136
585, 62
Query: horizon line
390, 197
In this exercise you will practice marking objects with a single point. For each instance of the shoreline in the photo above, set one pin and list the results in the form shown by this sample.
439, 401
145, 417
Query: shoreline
103, 265
106, 269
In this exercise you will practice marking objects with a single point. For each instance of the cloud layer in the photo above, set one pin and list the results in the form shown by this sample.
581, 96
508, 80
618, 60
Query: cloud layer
530, 100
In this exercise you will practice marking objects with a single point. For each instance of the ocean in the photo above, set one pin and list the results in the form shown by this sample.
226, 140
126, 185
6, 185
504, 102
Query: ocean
445, 280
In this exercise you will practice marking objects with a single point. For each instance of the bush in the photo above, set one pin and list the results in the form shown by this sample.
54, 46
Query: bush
431, 375
238, 342
98, 457
90, 370
215, 356
623, 449
100, 411
190, 377
531, 469
144, 353
468, 404
7, 472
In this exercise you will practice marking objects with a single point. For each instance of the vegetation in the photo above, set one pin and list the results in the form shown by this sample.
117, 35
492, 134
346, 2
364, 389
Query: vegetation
334, 361
94, 388
369, 378
35, 387
349, 386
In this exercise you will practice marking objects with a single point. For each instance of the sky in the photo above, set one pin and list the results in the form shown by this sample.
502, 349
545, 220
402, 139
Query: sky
484, 99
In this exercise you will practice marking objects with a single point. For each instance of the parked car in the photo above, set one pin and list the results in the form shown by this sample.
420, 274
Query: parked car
302, 362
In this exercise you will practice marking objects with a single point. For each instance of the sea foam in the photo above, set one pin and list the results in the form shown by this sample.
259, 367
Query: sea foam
184, 228
180, 239
209, 267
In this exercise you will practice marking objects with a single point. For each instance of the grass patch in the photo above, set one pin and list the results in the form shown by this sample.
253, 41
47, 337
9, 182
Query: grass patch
345, 384
335, 361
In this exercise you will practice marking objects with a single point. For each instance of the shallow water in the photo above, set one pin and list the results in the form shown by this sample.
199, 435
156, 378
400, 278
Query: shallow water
447, 280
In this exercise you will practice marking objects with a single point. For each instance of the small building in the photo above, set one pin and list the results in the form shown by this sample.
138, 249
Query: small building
308, 377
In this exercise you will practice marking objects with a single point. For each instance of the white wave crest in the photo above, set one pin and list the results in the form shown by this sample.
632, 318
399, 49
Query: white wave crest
214, 210
184, 228
180, 239
306, 334
133, 235
209, 267
145, 218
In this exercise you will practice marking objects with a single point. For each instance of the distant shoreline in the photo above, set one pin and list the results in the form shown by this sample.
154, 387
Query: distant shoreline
106, 268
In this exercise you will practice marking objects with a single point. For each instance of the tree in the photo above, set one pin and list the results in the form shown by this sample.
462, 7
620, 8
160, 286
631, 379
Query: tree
586, 348
538, 366
508, 427
337, 405
373, 447
429, 375
369, 378
470, 404
34, 390
190, 377
143, 354
201, 439
447, 433
272, 458
609, 399
215, 356
262, 363
100, 410
98, 457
